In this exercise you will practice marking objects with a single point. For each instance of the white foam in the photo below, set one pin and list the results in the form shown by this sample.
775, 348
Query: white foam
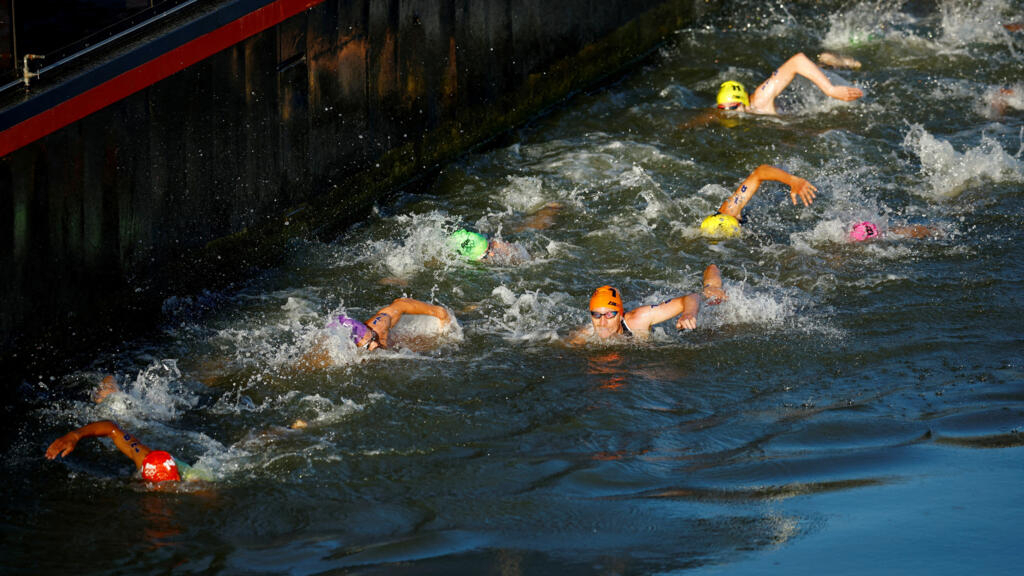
746, 306
421, 239
974, 22
865, 23
157, 393
527, 316
948, 172
524, 193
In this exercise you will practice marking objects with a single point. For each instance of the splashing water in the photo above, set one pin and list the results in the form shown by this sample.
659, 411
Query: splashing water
948, 172
861, 381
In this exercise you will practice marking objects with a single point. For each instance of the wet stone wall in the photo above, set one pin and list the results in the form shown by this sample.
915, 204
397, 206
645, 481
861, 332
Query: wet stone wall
203, 177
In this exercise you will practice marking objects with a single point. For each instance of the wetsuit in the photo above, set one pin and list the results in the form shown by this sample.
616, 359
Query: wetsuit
625, 329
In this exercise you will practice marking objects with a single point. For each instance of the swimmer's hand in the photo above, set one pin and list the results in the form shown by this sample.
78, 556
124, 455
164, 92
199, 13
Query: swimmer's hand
804, 190
686, 322
63, 446
714, 295
845, 93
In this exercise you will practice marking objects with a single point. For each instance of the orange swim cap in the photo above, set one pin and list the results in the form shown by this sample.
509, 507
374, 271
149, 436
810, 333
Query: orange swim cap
159, 466
606, 297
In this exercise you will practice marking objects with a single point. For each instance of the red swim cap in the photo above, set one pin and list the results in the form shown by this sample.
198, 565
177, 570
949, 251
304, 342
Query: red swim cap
159, 466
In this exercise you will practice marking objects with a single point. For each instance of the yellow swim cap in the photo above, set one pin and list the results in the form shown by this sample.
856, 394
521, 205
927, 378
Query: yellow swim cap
720, 226
732, 92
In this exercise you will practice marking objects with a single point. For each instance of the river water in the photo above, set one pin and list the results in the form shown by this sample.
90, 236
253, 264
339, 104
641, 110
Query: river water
853, 407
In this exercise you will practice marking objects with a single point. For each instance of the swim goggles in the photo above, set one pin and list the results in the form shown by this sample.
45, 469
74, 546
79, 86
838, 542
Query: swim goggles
609, 314
732, 106
374, 337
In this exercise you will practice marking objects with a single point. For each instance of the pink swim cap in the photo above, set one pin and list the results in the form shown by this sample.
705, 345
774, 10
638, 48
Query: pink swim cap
159, 466
862, 231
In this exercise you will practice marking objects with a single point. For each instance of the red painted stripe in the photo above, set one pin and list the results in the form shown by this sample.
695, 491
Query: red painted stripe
149, 73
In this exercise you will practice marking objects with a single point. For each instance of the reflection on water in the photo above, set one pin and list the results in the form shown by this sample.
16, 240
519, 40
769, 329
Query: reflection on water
843, 390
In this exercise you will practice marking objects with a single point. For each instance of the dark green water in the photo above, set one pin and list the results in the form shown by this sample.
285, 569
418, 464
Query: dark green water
853, 408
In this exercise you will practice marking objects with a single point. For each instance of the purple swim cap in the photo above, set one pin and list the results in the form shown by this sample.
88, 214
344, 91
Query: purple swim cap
358, 328
862, 231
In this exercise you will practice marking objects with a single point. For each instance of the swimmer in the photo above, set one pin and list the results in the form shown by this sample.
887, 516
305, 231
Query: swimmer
373, 333
733, 96
154, 465
608, 318
862, 231
476, 247
727, 221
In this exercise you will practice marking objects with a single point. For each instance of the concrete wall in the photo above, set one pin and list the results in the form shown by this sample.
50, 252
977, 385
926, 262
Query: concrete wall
203, 176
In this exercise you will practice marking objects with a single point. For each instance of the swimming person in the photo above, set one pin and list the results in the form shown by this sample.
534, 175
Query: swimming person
862, 231
733, 96
726, 222
154, 465
373, 333
476, 247
608, 318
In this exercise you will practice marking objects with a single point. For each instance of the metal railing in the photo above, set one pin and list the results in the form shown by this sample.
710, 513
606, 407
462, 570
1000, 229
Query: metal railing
32, 40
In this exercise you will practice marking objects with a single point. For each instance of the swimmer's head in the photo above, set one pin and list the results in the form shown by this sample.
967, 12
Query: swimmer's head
159, 466
469, 245
731, 95
720, 226
862, 231
606, 297
358, 329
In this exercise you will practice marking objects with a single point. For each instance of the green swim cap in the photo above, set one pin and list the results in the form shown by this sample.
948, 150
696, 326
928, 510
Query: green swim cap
469, 245
720, 226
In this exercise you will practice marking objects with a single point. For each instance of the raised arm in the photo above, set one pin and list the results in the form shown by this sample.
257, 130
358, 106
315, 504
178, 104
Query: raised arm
713, 294
641, 319
763, 99
798, 187
128, 444
712, 286
388, 316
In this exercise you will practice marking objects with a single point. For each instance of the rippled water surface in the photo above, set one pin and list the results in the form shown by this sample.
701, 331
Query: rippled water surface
853, 407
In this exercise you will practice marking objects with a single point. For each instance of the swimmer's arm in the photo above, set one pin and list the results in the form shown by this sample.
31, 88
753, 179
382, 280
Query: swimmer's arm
802, 65
410, 306
542, 219
388, 316
317, 357
713, 291
578, 337
912, 231
699, 121
798, 188
641, 319
128, 444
